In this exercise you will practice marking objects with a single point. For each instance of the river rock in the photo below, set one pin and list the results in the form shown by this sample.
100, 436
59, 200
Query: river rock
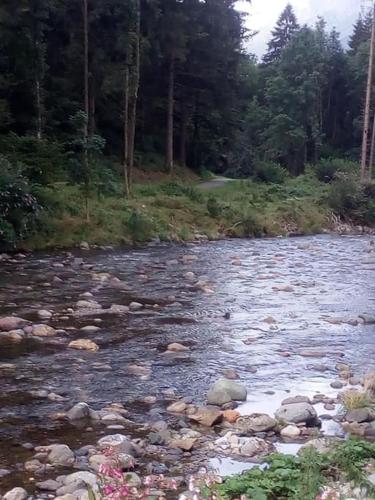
185, 444
360, 415
88, 304
42, 331
135, 306
177, 407
321, 445
224, 391
290, 431
16, 494
367, 319
90, 329
230, 373
15, 336
207, 416
176, 347
336, 384
82, 476
252, 446
258, 422
295, 399
296, 413
231, 416
118, 443
12, 323
61, 454
67, 490
7, 368
118, 309
44, 314
84, 344
79, 411
48, 485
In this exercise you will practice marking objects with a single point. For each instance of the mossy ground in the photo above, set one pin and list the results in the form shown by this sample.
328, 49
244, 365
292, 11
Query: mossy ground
175, 210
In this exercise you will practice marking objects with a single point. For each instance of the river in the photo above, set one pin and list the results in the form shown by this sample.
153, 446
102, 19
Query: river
261, 307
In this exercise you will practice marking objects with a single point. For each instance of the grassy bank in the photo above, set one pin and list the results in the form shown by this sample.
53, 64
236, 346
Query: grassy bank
177, 211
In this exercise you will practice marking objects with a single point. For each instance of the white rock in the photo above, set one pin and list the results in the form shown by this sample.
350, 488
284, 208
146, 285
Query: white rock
16, 494
44, 314
90, 329
135, 306
290, 431
86, 477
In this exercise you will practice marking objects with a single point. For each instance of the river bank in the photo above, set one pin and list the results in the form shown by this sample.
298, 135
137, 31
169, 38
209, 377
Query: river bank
281, 317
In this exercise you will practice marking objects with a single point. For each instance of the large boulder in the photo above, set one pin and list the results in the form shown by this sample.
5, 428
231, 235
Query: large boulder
255, 423
225, 391
360, 415
253, 446
296, 413
9, 323
82, 476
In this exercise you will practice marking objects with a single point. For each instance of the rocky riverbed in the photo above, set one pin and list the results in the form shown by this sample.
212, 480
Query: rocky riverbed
175, 359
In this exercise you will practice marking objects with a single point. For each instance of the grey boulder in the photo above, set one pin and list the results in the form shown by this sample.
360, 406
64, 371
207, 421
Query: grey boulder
225, 391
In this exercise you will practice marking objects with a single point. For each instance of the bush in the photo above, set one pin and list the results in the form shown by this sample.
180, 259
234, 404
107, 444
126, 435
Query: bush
140, 227
346, 196
44, 161
18, 207
176, 189
270, 172
327, 170
213, 207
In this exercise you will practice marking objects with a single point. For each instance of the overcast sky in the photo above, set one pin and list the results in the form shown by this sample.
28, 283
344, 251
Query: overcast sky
263, 15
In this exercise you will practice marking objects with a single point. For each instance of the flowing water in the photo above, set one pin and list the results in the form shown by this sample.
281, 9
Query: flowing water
327, 277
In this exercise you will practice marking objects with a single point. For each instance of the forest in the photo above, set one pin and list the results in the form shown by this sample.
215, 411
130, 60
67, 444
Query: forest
97, 96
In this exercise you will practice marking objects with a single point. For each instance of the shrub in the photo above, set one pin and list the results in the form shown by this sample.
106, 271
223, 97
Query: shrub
352, 400
140, 227
270, 173
18, 207
213, 207
346, 196
327, 170
176, 189
44, 161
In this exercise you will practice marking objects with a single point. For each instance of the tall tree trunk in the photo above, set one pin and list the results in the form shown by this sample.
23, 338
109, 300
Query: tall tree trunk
170, 113
126, 131
372, 150
86, 166
133, 95
92, 108
183, 135
366, 124
39, 109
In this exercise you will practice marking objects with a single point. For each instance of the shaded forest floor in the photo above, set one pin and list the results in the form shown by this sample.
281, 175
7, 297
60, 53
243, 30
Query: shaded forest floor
180, 210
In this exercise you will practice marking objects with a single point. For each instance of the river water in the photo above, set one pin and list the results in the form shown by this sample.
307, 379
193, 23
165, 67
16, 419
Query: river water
303, 284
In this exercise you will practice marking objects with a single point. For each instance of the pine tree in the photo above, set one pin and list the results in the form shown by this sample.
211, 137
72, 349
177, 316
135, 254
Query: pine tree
283, 32
361, 32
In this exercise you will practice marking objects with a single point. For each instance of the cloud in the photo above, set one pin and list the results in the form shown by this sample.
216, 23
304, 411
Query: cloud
263, 15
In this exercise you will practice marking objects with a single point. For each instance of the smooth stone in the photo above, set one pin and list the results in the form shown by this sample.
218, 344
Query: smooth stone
84, 344
295, 399
336, 384
43, 331
252, 446
176, 347
70, 488
118, 442
82, 476
207, 416
224, 391
296, 413
230, 373
255, 423
9, 323
48, 485
360, 415
231, 416
135, 306
290, 431
16, 494
79, 411
177, 407
44, 314
185, 444
88, 304
90, 329
61, 454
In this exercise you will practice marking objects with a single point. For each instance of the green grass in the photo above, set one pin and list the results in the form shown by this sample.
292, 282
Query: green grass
174, 210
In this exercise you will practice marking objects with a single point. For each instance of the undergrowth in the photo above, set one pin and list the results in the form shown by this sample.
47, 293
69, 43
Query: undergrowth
302, 476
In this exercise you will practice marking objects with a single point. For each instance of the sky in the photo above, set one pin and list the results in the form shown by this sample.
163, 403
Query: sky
263, 15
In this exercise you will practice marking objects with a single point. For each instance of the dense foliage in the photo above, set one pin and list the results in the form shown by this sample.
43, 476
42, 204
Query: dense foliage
86, 94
